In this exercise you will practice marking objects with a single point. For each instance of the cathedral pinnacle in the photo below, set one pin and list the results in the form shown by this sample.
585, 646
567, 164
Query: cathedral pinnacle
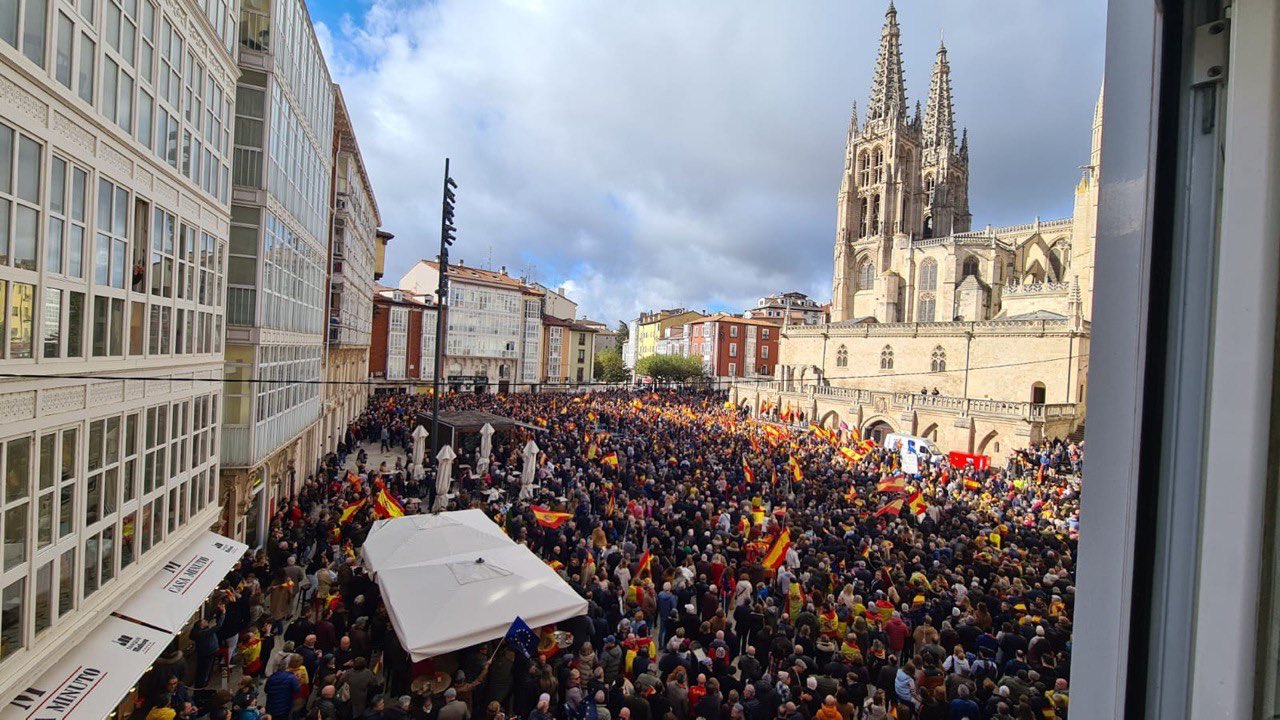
939, 118
888, 90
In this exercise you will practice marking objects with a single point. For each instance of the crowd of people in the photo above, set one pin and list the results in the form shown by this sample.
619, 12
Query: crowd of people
735, 569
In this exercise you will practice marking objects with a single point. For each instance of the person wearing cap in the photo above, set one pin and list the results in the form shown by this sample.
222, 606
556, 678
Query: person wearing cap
455, 709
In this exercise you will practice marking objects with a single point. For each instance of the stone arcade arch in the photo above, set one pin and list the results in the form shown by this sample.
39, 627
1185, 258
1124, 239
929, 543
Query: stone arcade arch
830, 420
876, 429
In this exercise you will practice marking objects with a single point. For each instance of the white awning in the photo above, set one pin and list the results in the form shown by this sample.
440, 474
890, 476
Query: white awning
94, 677
170, 597
454, 579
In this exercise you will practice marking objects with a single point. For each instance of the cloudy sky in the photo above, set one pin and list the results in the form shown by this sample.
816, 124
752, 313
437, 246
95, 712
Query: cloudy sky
670, 153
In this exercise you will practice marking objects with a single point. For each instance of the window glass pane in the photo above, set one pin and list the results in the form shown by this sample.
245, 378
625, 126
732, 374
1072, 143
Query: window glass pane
28, 170
17, 470
4, 234
66, 582
12, 604
52, 322
44, 597
84, 79
26, 226
48, 460
62, 53
75, 251
15, 535
53, 246
91, 561
75, 324
66, 510
100, 326
21, 320
33, 30
44, 520
6, 156
9, 21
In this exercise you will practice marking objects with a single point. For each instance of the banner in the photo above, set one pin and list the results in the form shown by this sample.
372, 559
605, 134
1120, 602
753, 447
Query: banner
911, 463
965, 460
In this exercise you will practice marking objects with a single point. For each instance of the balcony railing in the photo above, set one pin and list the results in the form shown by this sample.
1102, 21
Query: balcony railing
255, 26
907, 401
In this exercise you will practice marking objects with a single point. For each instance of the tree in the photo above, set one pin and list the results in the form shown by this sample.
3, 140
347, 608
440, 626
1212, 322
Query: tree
621, 336
670, 367
609, 366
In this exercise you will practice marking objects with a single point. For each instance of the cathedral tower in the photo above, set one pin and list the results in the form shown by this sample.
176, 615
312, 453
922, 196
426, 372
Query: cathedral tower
882, 201
944, 166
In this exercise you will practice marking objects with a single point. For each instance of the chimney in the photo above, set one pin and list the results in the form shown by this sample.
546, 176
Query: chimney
503, 270
461, 262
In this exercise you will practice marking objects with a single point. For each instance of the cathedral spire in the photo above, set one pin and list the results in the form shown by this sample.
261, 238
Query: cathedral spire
964, 145
853, 121
888, 91
939, 120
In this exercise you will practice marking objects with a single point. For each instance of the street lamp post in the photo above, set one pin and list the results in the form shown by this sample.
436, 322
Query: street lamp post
442, 293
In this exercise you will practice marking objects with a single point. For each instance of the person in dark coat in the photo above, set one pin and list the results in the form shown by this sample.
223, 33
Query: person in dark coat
280, 689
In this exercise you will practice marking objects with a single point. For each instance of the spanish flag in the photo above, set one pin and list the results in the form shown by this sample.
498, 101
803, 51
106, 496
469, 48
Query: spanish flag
755, 444
637, 405
774, 432
850, 455
349, 511
354, 479
892, 508
777, 551
592, 451
971, 484
611, 460
549, 518
795, 469
892, 485
556, 565
746, 472
645, 560
385, 506
915, 501
611, 506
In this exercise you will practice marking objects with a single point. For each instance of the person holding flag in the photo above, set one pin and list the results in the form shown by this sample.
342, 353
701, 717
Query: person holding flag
549, 519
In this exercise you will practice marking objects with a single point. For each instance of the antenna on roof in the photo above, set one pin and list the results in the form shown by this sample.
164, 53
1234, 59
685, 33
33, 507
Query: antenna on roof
488, 263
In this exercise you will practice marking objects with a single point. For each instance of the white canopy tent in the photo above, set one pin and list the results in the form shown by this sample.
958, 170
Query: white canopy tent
455, 579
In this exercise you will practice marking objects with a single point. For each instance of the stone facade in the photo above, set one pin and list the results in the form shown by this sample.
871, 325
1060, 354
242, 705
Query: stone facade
993, 324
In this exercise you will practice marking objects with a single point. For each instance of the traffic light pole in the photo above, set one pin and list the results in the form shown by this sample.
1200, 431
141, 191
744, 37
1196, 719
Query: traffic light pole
442, 295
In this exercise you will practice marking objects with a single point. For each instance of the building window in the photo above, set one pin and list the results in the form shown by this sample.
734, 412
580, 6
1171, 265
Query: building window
20, 179
733, 369
111, 241
842, 356
64, 239
928, 275
582, 356
764, 351
866, 275
926, 309
938, 363
733, 349
733, 331
582, 339
764, 333
970, 268
886, 358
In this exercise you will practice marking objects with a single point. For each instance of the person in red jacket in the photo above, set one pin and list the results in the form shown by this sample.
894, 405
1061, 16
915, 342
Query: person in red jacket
896, 631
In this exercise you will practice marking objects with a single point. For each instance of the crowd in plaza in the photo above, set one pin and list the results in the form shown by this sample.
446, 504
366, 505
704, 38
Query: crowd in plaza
735, 569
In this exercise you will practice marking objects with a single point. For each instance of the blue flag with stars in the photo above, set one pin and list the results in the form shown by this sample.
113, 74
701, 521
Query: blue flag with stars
522, 638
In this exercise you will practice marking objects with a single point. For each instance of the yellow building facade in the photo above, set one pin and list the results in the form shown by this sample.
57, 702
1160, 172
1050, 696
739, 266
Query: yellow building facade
650, 328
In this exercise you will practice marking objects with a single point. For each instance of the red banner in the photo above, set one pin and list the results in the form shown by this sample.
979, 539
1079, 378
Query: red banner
965, 460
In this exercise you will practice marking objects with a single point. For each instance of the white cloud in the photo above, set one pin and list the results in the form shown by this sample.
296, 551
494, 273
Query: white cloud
670, 153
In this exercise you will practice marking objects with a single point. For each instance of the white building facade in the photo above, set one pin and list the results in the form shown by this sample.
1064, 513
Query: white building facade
280, 210
493, 326
352, 238
115, 155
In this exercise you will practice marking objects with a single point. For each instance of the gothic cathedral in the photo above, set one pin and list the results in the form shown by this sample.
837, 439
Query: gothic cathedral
904, 248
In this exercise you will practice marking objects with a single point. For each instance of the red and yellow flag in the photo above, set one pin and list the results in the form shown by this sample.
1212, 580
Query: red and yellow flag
549, 518
385, 506
892, 508
349, 511
916, 503
971, 484
746, 472
637, 405
850, 455
896, 484
611, 460
777, 551
645, 561
796, 474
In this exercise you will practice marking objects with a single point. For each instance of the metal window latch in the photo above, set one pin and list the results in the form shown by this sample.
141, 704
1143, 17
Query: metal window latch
1209, 53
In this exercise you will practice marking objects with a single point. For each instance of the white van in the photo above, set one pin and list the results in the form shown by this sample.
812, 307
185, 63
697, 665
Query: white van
911, 444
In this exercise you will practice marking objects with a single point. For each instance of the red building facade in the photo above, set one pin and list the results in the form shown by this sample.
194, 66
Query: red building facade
732, 346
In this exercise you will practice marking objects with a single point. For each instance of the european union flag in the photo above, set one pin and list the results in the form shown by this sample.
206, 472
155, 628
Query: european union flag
522, 638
